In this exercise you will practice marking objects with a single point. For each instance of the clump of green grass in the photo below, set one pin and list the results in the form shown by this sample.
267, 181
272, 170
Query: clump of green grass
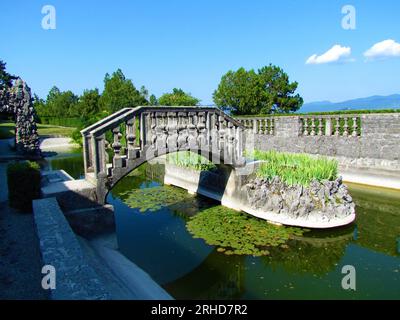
190, 160
294, 169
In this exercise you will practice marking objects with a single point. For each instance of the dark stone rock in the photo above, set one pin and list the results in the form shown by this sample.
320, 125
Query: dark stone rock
17, 101
322, 201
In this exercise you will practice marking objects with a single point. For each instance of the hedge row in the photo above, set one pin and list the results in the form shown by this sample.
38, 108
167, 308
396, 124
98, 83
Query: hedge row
321, 113
23, 179
65, 122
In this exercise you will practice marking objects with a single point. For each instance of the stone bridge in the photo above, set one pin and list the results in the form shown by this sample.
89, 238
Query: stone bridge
141, 134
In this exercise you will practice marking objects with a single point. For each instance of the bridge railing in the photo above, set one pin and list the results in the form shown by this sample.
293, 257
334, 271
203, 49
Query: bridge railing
343, 125
142, 132
259, 125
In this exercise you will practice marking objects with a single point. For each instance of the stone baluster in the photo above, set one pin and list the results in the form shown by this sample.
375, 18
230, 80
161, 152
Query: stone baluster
192, 129
117, 159
305, 126
201, 128
172, 130
214, 132
132, 151
208, 128
87, 153
221, 132
355, 127
255, 129
239, 144
182, 130
328, 126
271, 126
99, 157
337, 126
161, 131
312, 133
142, 130
345, 127
229, 153
320, 127
153, 138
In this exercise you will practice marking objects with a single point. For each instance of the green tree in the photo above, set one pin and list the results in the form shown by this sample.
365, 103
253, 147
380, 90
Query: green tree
120, 92
263, 92
153, 100
239, 92
5, 78
40, 105
177, 98
88, 104
278, 92
144, 93
61, 104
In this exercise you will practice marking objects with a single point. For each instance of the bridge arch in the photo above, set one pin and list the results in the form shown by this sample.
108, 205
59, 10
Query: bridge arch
142, 134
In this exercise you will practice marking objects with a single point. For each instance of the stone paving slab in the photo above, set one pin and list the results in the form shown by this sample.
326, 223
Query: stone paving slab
56, 144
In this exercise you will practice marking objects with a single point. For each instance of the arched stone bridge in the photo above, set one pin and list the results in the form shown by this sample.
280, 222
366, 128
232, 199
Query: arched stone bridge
154, 131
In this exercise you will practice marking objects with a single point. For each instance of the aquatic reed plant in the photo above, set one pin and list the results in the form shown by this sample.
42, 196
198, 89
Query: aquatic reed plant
191, 160
294, 168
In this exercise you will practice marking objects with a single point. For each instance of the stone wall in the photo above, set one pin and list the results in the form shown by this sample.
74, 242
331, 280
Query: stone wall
75, 278
368, 140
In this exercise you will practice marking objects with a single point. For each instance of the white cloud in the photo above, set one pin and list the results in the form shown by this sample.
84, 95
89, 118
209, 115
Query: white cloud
384, 49
335, 54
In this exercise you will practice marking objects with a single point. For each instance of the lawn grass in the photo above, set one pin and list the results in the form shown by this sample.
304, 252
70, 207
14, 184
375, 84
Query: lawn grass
51, 130
7, 130
294, 169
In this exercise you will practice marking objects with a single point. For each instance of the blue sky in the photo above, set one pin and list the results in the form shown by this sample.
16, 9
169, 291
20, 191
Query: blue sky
191, 44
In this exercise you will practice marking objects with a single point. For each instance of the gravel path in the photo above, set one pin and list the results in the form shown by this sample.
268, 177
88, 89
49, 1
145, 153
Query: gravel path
20, 261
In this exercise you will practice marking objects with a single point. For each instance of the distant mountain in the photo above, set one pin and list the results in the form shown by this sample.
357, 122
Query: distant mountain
374, 102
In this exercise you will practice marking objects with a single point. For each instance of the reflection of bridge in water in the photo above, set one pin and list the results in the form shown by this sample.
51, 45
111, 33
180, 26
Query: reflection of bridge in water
144, 133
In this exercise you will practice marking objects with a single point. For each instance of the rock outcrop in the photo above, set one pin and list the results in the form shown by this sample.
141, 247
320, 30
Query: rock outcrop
322, 201
17, 101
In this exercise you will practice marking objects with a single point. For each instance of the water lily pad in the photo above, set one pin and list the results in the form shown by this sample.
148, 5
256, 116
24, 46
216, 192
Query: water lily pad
238, 233
153, 199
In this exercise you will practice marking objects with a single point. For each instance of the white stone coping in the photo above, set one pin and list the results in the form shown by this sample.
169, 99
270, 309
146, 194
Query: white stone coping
59, 247
50, 144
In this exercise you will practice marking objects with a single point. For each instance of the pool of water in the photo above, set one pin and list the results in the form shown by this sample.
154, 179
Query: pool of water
310, 267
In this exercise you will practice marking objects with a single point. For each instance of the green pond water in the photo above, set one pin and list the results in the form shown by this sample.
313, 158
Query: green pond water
188, 244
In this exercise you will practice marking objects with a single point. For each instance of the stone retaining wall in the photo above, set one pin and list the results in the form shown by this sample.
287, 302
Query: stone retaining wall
75, 279
366, 140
